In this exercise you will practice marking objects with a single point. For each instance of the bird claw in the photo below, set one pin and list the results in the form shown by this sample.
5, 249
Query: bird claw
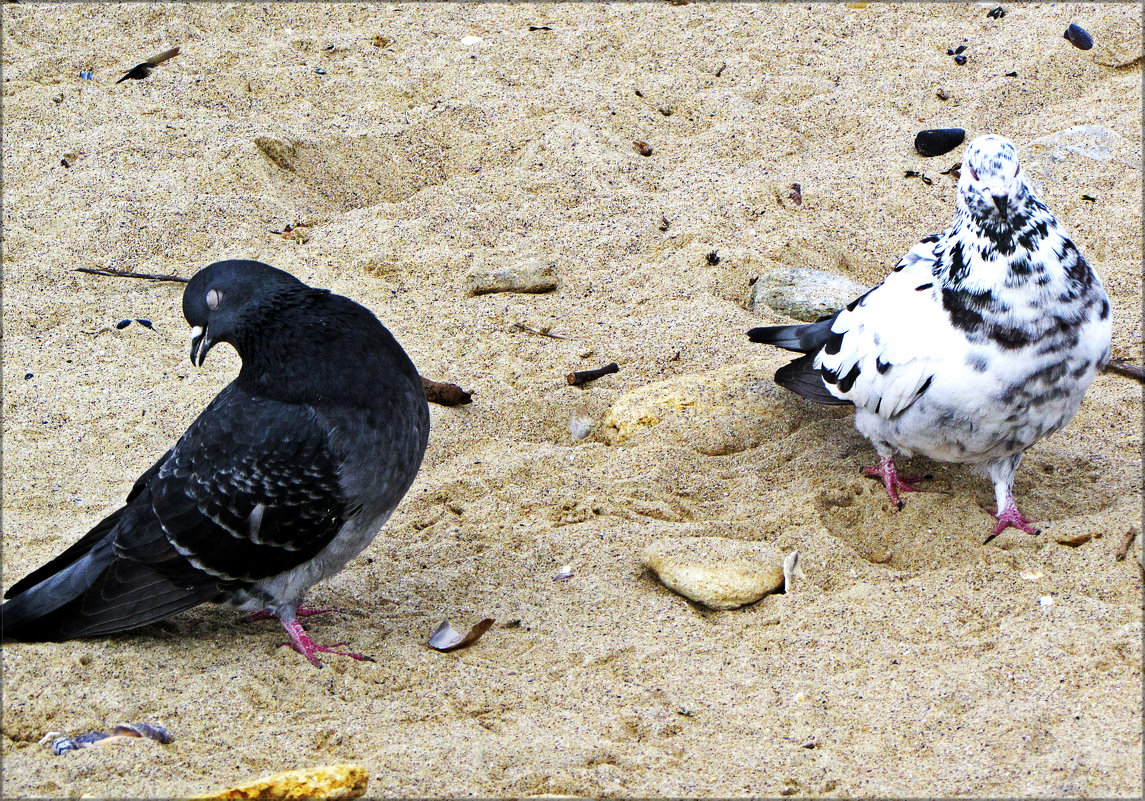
893, 482
313, 648
302, 643
1010, 516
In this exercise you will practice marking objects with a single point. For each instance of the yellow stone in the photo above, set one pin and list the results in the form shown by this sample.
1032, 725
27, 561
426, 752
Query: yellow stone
327, 781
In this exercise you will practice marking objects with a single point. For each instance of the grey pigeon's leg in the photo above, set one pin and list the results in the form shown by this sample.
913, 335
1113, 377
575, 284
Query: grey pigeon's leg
301, 611
889, 475
1002, 474
302, 643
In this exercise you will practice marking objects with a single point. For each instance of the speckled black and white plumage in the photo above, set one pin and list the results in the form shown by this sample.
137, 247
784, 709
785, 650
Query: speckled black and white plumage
285, 476
982, 341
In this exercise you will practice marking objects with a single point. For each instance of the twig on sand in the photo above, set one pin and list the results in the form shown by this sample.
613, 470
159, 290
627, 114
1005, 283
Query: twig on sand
582, 377
1124, 548
129, 274
1126, 368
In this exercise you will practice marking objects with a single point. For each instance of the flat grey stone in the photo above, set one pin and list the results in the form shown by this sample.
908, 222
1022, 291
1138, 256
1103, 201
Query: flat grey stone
529, 276
803, 293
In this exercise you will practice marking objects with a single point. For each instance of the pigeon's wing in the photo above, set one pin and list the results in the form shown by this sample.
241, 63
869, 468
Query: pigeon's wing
886, 346
251, 490
89, 540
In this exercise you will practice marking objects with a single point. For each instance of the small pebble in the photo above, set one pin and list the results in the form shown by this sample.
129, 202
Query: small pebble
580, 423
471, 40
936, 141
122, 324
27, 376
642, 147
996, 13
713, 258
86, 75
942, 94
960, 59
319, 71
1046, 600
145, 323
1078, 37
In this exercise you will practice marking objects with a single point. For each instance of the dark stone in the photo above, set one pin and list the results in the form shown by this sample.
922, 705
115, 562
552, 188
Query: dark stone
936, 141
1078, 37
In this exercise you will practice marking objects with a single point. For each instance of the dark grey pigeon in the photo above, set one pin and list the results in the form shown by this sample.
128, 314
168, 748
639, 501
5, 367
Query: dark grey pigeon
982, 341
287, 475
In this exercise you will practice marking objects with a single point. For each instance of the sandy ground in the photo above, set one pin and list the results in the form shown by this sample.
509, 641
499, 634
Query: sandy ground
418, 156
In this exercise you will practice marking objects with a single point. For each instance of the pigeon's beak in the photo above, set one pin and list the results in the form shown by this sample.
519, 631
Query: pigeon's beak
200, 344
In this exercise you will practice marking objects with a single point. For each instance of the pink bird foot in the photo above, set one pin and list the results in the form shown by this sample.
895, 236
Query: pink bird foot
1010, 516
302, 643
891, 480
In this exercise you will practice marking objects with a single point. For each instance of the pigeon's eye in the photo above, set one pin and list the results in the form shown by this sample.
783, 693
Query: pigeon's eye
214, 298
973, 172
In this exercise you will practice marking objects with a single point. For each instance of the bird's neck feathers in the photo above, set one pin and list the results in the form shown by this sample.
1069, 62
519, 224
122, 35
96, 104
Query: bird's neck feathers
315, 347
1004, 275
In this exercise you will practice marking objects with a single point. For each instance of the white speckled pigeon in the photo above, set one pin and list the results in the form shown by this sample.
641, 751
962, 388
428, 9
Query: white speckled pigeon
982, 341
285, 476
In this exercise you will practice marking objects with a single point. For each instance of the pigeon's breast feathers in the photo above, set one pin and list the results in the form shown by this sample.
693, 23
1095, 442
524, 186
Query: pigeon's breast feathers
297, 343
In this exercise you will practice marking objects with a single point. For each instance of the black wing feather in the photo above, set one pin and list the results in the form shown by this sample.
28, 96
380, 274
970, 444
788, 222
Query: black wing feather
804, 378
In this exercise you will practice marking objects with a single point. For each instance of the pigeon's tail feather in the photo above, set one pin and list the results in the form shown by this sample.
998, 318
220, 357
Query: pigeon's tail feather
68, 557
99, 594
20, 616
799, 338
803, 378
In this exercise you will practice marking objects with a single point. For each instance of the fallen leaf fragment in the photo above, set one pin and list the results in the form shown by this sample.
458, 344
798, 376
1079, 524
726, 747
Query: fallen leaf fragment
1076, 540
327, 781
447, 638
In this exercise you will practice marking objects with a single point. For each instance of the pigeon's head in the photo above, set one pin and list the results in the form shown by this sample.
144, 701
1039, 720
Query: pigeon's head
992, 185
221, 299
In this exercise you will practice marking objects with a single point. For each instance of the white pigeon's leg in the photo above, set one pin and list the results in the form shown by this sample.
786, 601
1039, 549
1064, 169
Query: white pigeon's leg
889, 474
1002, 474
302, 643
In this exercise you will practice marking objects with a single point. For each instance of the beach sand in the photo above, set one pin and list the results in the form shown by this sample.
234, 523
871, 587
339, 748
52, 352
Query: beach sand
912, 661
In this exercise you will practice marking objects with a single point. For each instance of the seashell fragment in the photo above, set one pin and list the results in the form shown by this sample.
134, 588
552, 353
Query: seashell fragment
564, 573
326, 782
150, 731
447, 638
792, 569
1078, 37
936, 141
